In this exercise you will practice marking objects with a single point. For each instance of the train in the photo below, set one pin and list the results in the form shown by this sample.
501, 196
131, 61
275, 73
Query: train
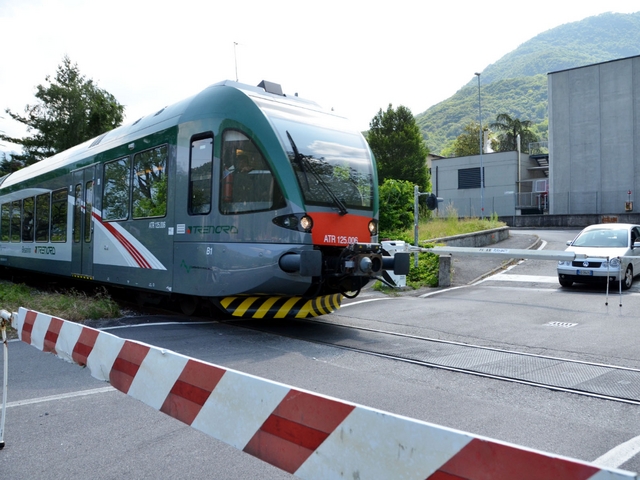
262, 204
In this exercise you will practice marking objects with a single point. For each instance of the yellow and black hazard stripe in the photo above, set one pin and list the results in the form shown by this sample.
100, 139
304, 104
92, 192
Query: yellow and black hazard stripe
82, 277
280, 307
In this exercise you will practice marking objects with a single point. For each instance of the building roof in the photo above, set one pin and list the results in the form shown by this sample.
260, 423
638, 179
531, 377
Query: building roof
594, 64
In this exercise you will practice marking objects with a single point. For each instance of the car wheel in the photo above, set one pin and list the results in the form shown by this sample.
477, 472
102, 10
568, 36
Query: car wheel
627, 281
565, 283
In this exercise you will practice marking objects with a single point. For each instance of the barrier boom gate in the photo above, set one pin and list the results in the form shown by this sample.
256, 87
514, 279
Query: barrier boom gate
505, 253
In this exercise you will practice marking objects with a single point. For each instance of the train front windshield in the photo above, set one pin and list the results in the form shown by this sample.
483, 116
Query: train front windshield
333, 167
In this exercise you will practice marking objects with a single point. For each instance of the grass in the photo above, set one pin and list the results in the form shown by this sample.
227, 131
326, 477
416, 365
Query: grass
431, 228
69, 304
449, 226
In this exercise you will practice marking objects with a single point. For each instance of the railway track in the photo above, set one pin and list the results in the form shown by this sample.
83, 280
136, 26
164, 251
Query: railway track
597, 380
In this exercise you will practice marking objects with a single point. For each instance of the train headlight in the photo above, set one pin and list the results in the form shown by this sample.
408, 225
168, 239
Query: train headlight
302, 223
373, 227
306, 223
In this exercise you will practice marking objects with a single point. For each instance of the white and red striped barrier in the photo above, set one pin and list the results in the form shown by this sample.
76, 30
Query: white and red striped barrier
309, 435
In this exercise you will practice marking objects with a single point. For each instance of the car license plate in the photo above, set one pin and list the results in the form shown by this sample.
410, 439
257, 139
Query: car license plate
585, 272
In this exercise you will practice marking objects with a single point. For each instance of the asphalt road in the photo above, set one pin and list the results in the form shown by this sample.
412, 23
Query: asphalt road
63, 423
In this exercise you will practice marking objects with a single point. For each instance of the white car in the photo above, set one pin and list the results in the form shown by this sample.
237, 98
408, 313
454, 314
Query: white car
606, 252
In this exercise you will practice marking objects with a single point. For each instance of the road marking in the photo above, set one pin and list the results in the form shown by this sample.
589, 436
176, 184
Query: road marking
367, 301
62, 396
524, 278
425, 295
156, 324
620, 454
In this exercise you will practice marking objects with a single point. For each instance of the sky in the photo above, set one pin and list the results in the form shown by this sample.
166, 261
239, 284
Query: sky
353, 56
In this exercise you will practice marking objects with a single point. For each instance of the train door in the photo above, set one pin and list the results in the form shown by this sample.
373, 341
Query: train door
82, 230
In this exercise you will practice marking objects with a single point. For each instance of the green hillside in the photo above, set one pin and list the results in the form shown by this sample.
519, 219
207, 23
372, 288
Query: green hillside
517, 83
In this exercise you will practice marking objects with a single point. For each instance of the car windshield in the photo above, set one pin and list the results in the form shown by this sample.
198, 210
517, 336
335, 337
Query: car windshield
603, 238
332, 164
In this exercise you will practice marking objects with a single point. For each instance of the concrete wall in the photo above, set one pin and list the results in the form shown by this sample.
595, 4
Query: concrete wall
475, 239
568, 221
592, 129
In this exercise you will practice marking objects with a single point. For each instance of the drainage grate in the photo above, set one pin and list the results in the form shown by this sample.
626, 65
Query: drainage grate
561, 324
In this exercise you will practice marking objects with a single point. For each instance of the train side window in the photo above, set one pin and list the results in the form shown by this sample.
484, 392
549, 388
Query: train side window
200, 175
59, 205
16, 210
77, 213
88, 210
43, 210
116, 192
28, 210
247, 183
5, 221
150, 183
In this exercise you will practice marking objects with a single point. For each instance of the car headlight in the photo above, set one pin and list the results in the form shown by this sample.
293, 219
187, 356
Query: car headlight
563, 263
613, 263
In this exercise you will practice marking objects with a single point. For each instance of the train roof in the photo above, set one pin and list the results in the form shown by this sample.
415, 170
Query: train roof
185, 110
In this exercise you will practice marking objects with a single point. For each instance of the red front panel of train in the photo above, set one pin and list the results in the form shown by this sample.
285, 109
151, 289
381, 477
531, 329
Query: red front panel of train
339, 230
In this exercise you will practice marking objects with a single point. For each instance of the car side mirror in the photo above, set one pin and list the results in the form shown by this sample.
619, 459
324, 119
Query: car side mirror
568, 242
636, 244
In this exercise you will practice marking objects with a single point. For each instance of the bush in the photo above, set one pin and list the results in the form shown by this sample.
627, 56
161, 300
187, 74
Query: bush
426, 275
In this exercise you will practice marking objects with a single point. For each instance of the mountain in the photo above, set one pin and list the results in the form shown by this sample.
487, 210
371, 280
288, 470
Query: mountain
517, 83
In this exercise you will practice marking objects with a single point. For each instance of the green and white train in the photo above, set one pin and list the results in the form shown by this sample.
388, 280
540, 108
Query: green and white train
260, 203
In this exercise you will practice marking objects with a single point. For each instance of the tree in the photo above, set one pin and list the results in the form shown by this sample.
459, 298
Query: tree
510, 128
70, 110
8, 164
465, 144
468, 142
397, 144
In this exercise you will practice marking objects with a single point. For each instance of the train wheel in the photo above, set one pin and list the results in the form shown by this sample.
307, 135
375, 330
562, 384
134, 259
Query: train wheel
188, 304
146, 298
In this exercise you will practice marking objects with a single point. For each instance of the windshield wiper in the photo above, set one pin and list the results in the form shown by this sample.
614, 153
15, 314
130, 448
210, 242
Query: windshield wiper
301, 160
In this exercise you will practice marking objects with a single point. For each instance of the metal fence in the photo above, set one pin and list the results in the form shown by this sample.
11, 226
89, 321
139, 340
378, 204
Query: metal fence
564, 203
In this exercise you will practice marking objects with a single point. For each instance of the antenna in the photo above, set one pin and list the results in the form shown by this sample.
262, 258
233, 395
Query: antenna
235, 58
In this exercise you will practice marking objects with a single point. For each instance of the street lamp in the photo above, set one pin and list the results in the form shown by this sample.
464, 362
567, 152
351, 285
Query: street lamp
480, 142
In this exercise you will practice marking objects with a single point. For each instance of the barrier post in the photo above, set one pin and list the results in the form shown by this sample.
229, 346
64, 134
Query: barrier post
4, 320
444, 270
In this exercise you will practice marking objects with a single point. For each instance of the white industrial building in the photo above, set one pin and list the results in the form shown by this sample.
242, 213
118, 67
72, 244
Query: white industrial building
514, 184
